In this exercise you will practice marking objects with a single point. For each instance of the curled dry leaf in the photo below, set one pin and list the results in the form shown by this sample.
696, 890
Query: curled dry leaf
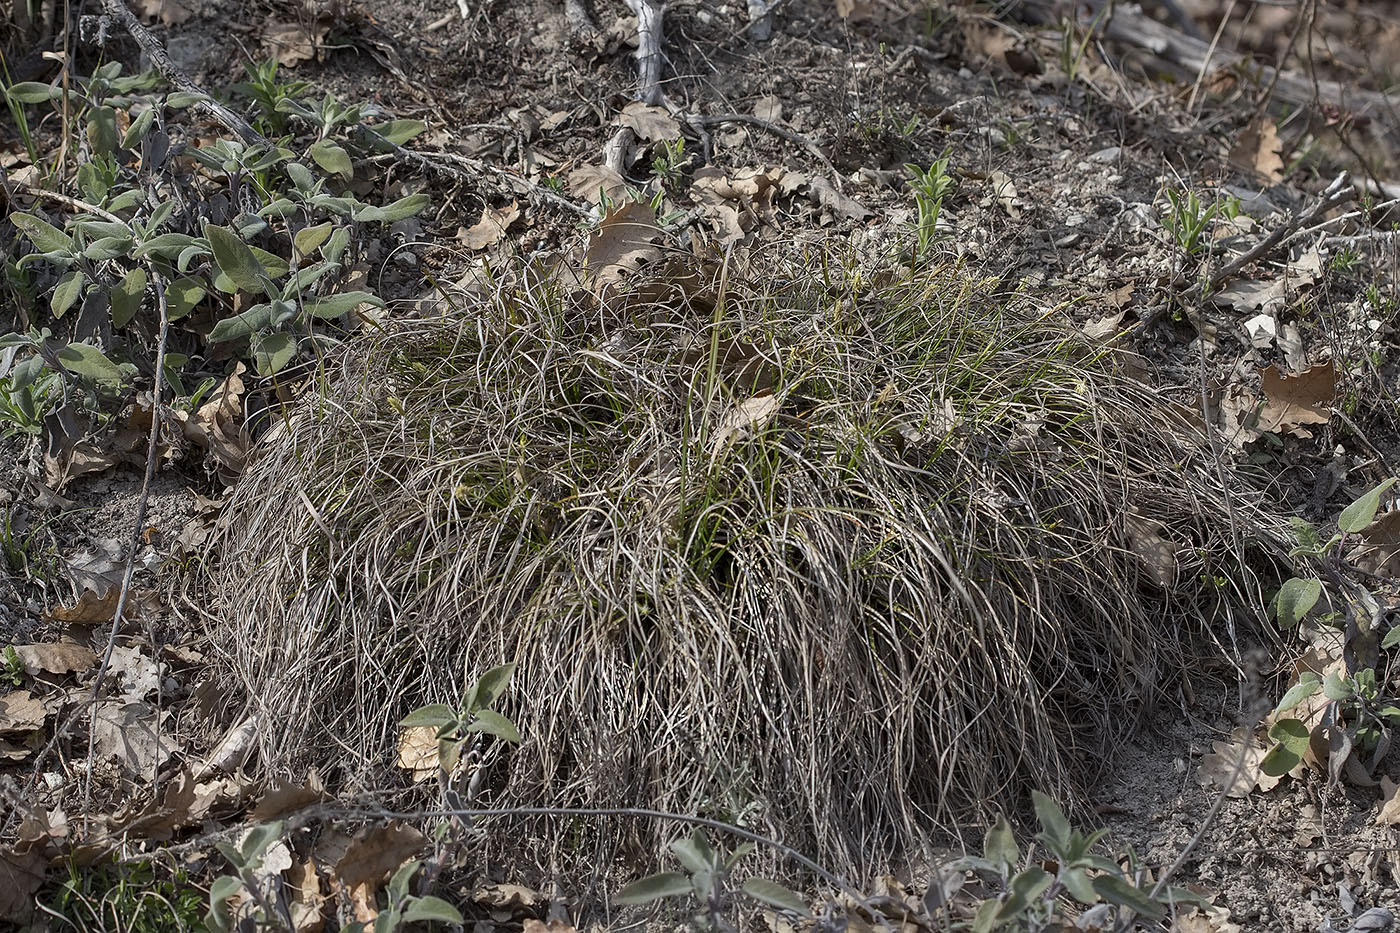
21, 875
506, 896
294, 43
735, 204
1389, 814
824, 194
1004, 190
216, 428
554, 926
233, 749
308, 903
129, 733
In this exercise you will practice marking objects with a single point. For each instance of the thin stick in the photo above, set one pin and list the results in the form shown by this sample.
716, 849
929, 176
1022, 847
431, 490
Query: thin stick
152, 447
770, 127
211, 108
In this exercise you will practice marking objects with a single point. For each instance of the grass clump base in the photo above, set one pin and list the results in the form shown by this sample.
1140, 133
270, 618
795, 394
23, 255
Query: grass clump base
836, 557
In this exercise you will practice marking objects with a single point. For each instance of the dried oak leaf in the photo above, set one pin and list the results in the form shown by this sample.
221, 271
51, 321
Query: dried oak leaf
1219, 766
1296, 401
20, 711
625, 240
371, 856
588, 181
649, 122
285, 797
1389, 814
1379, 544
216, 428
57, 658
490, 228
169, 12
21, 875
418, 752
1258, 149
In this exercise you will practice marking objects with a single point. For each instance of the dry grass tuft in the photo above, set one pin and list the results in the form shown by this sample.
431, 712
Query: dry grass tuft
899, 591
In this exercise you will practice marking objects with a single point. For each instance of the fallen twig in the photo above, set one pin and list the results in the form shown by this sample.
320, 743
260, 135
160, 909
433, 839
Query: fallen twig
1340, 191
770, 127
118, 10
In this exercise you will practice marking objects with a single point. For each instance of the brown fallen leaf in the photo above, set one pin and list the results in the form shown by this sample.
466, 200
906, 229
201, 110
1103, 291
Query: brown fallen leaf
21, 875
649, 122
823, 193
769, 109
90, 609
418, 752
743, 420
57, 658
623, 242
587, 182
1146, 539
308, 907
1389, 814
169, 12
217, 427
490, 228
129, 733
294, 43
1380, 542
20, 711
506, 896
372, 855
285, 797
1296, 401
1219, 766
1004, 190
1258, 149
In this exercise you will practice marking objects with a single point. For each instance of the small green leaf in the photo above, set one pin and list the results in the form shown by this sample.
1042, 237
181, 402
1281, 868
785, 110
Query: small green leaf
234, 258
774, 895
1295, 600
1337, 687
275, 266
493, 683
301, 177
1292, 738
399, 132
259, 838
334, 306
999, 847
33, 92
1077, 883
1392, 637
436, 715
694, 852
108, 247
179, 100
309, 239
45, 236
68, 290
1122, 894
335, 246
1308, 684
1025, 887
653, 888
165, 245
127, 296
332, 158
83, 359
1359, 515
139, 128
493, 723
242, 326
405, 207
272, 352
182, 295
431, 908
1052, 821
102, 130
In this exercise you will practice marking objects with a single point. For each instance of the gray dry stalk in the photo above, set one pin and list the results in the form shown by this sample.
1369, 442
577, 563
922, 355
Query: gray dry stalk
900, 592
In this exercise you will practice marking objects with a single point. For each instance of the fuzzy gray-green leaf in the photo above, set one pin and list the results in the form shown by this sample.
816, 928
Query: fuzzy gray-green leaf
653, 888
1359, 515
774, 895
234, 258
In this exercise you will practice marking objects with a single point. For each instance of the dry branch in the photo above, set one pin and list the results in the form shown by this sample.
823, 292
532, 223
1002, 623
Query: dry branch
1195, 55
118, 11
